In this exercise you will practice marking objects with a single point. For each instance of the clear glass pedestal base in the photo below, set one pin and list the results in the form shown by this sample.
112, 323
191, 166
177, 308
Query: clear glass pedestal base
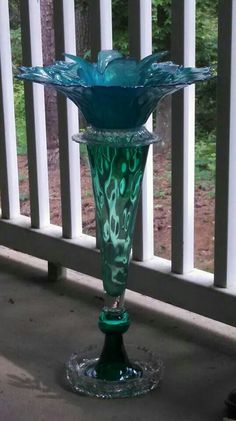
80, 381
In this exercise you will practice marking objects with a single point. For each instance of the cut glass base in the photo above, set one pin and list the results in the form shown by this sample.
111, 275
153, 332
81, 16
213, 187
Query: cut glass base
80, 366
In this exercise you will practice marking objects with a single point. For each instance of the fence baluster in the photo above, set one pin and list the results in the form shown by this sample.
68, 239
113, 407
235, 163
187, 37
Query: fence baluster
183, 122
35, 115
140, 33
64, 18
225, 208
101, 36
8, 153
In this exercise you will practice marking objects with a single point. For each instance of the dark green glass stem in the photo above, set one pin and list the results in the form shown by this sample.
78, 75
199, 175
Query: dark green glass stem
117, 174
114, 364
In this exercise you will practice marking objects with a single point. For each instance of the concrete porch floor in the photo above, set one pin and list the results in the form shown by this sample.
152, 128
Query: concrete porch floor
42, 324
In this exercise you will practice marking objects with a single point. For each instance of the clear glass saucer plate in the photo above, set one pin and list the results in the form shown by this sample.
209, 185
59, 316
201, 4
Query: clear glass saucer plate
79, 382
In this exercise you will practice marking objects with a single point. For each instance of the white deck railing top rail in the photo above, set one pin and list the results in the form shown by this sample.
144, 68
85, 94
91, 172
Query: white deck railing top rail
176, 281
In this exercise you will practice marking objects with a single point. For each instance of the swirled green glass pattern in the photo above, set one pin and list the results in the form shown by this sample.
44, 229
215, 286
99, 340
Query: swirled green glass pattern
117, 175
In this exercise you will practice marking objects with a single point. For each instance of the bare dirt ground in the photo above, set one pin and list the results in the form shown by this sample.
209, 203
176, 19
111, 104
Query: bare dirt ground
204, 206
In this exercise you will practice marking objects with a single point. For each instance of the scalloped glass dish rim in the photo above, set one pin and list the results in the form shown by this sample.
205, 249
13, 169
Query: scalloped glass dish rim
73, 85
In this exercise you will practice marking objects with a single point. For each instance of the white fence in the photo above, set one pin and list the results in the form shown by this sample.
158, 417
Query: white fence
177, 281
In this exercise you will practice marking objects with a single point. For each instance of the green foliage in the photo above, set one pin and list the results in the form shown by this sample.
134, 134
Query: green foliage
159, 194
205, 155
120, 25
161, 25
206, 108
206, 32
83, 152
161, 22
16, 46
206, 54
24, 197
18, 92
14, 12
20, 117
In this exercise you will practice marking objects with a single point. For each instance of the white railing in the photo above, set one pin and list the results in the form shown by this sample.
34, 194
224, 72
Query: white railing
176, 281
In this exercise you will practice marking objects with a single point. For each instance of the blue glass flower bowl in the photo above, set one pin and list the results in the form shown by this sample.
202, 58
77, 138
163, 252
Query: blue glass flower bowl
115, 92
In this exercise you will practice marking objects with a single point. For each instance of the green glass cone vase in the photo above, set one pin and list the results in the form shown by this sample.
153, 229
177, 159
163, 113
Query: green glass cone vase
116, 95
116, 176
117, 161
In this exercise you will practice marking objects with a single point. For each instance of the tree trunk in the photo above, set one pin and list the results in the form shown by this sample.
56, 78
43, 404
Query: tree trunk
48, 57
163, 122
83, 45
82, 28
